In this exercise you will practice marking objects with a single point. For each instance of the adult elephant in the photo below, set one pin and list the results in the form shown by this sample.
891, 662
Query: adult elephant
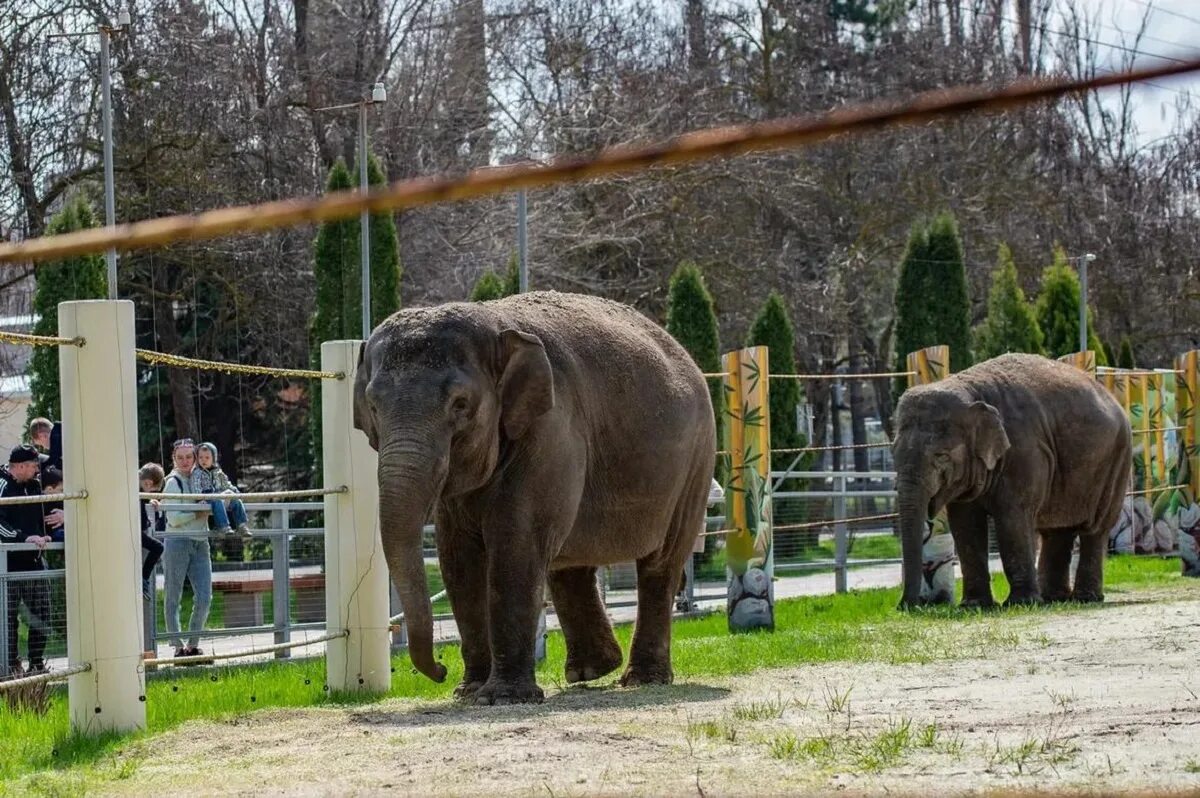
1035, 444
548, 434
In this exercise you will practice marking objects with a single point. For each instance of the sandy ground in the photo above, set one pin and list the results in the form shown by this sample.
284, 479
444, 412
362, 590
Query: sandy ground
1096, 701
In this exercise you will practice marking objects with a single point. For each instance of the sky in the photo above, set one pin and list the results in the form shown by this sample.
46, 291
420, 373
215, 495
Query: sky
1174, 30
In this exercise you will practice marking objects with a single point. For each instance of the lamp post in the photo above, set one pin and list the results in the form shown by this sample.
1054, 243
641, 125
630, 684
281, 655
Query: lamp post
1084, 260
106, 33
378, 97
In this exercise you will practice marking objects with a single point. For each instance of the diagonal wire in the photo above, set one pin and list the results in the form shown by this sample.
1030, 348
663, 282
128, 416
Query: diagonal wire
791, 132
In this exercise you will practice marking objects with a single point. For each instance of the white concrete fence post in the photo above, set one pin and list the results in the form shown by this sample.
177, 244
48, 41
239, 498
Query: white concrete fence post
356, 575
103, 549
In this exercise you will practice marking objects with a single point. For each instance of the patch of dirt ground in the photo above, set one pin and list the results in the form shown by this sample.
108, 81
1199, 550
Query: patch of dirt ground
1096, 700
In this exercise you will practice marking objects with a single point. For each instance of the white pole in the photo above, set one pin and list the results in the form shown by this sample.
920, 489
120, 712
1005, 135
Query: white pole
110, 255
1083, 304
356, 575
364, 222
522, 241
104, 550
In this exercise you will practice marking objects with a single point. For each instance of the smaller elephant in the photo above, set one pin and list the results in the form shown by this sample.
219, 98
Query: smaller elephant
1034, 444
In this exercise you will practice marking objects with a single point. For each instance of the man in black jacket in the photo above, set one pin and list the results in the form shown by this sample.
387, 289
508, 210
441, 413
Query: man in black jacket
25, 523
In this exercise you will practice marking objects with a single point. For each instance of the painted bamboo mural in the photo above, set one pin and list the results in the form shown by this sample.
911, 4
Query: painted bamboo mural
1186, 509
1151, 516
937, 552
748, 548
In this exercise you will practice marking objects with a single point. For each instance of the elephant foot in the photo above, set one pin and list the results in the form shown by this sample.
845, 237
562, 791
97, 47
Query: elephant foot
1023, 600
468, 688
635, 676
978, 603
593, 665
1057, 596
905, 605
1087, 597
496, 692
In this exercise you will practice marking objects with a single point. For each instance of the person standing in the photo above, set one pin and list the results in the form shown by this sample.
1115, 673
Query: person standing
186, 556
26, 523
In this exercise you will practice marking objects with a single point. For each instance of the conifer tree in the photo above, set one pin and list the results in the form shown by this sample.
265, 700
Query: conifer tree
932, 305
1011, 325
337, 268
1126, 359
773, 329
488, 286
1058, 311
78, 277
692, 321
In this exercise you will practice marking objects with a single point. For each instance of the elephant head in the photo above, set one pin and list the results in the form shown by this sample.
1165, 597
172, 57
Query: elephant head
440, 392
946, 448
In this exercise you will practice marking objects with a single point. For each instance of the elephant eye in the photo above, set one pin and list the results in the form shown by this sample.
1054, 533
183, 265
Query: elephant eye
460, 404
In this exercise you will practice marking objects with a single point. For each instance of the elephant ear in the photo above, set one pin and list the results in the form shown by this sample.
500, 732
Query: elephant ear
363, 419
991, 441
526, 382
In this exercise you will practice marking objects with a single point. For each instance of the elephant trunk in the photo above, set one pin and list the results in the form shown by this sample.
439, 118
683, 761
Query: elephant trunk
405, 496
912, 501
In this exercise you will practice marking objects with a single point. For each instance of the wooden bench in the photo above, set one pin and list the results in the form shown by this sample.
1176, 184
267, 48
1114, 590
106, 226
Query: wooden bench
244, 599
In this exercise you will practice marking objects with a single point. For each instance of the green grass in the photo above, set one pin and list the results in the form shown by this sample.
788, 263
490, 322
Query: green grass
856, 627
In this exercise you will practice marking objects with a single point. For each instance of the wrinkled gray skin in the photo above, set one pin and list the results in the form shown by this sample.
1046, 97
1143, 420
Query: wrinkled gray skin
548, 434
1035, 444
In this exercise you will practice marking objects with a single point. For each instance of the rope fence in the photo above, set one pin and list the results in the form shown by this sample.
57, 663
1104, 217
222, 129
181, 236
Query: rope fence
178, 361
263, 496
838, 448
875, 376
396, 619
203, 659
834, 521
45, 498
1149, 491
49, 676
789, 132
23, 339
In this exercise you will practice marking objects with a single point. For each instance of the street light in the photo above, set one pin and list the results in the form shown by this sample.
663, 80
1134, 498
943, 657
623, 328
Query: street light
378, 97
1084, 260
106, 32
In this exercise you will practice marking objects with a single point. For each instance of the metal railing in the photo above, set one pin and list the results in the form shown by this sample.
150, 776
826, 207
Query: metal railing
11, 584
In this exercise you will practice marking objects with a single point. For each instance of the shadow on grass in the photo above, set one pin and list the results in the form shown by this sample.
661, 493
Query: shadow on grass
573, 699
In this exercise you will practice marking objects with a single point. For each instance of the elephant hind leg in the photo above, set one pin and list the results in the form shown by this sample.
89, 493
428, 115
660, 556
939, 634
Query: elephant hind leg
1054, 564
592, 650
1089, 576
658, 581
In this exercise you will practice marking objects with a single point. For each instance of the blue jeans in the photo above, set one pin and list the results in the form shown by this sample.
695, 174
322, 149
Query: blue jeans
221, 517
186, 557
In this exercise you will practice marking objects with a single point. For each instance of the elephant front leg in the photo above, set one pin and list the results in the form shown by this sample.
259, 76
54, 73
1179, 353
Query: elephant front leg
592, 650
1015, 534
516, 586
1054, 565
464, 571
968, 526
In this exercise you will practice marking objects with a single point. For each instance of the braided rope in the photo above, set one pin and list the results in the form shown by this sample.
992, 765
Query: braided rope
204, 659
24, 339
878, 375
163, 359
831, 448
44, 498
49, 676
792, 132
264, 496
834, 521
1149, 491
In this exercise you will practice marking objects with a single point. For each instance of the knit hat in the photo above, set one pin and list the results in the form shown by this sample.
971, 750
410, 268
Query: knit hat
23, 454
212, 449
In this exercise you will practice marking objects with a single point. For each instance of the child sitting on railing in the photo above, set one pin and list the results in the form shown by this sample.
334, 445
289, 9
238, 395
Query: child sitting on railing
150, 478
209, 478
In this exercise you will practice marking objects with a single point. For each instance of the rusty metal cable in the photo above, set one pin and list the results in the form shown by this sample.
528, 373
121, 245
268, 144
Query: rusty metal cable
790, 132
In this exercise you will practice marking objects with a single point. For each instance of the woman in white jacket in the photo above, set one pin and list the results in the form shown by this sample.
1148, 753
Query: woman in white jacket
186, 556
